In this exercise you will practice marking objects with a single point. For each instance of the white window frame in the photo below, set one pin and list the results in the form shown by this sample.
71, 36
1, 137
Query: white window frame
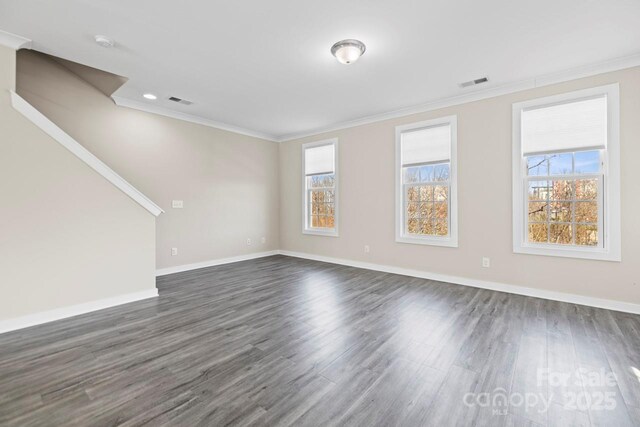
306, 227
610, 158
401, 235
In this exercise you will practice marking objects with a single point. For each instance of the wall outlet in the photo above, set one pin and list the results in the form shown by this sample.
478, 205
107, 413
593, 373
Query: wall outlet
248, 242
367, 249
177, 204
174, 251
486, 262
263, 240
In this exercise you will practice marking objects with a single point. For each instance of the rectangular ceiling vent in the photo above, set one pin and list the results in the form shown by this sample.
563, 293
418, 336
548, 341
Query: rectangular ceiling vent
180, 100
474, 82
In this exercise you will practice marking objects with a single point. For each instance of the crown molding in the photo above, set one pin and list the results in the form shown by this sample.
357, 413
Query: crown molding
14, 41
137, 105
505, 89
544, 80
64, 139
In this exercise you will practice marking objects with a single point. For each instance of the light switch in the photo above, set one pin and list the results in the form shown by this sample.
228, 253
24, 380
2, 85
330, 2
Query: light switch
177, 204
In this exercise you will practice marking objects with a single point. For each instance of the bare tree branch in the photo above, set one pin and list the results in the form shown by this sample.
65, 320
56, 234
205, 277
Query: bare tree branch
541, 162
542, 208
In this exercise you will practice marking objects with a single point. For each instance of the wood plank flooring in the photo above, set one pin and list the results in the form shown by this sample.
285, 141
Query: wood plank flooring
286, 341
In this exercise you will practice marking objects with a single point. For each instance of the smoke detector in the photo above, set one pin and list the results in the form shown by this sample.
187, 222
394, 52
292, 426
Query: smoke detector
474, 82
104, 41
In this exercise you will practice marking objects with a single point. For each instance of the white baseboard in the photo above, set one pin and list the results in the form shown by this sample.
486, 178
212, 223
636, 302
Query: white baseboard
483, 284
72, 310
213, 262
75, 310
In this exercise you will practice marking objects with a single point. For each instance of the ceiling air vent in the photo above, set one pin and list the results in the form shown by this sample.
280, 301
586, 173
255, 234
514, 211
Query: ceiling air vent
474, 82
180, 100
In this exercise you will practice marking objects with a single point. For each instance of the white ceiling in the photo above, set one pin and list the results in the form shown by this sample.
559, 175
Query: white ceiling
265, 66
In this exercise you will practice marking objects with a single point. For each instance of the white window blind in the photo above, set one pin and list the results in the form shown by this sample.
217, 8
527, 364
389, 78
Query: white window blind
427, 145
319, 160
570, 126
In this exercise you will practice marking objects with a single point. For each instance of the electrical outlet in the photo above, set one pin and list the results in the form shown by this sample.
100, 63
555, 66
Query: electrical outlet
248, 242
367, 249
174, 251
486, 262
263, 240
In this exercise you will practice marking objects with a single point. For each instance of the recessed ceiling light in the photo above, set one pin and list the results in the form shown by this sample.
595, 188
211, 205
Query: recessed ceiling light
104, 41
348, 51
150, 96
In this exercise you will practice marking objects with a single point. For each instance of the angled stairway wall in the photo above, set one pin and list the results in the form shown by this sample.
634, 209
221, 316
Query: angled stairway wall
70, 240
227, 181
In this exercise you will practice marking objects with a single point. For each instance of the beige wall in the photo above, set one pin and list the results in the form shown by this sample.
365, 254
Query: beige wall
232, 192
67, 235
228, 182
484, 202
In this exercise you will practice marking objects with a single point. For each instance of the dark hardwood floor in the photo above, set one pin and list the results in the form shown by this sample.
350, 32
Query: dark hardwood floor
285, 341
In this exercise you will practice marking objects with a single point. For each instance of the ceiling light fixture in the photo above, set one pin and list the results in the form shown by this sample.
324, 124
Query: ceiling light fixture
150, 96
104, 41
348, 51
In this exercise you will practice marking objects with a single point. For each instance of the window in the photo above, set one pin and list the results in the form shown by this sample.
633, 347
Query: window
320, 199
566, 188
426, 190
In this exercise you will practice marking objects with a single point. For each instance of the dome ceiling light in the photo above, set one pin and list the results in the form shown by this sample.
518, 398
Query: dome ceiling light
348, 51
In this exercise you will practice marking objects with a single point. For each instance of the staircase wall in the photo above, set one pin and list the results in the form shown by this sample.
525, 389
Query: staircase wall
70, 241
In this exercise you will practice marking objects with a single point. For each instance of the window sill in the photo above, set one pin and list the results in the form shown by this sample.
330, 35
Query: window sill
569, 252
429, 241
332, 232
